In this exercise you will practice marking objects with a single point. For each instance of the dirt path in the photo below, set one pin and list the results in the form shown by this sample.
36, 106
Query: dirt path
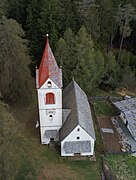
111, 140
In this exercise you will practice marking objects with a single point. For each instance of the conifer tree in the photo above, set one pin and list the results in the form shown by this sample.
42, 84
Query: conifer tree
112, 70
66, 55
125, 15
14, 61
33, 32
16, 9
89, 64
3, 7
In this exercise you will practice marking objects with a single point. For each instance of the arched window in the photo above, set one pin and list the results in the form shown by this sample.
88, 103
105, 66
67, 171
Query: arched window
50, 99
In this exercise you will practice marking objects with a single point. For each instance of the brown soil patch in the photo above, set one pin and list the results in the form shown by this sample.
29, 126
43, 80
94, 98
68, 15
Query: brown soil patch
105, 122
56, 171
111, 140
124, 91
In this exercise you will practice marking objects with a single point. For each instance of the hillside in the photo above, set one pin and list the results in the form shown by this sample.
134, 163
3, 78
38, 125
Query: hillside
23, 157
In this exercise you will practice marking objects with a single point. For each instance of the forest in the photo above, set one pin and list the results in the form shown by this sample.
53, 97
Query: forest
93, 40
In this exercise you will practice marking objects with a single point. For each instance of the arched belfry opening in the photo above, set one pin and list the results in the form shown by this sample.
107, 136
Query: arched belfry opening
50, 98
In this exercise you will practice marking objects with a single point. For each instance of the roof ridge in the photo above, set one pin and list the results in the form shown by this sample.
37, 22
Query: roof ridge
78, 88
76, 100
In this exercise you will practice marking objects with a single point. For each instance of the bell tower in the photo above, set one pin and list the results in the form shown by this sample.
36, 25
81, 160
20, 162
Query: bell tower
49, 89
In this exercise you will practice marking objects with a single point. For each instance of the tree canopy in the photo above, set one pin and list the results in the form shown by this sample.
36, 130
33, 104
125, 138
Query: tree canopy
14, 60
109, 31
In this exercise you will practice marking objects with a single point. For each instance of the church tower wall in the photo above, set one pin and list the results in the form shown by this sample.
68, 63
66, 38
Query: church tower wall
49, 97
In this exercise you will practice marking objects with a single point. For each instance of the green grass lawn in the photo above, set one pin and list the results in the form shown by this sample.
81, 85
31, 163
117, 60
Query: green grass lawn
103, 108
124, 166
86, 169
24, 158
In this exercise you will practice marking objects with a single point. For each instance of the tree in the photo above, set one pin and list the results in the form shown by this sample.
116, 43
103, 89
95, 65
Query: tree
124, 16
80, 59
69, 16
16, 9
83, 6
111, 73
3, 7
52, 17
128, 78
10, 141
14, 61
61, 57
66, 55
107, 11
92, 20
89, 62
33, 32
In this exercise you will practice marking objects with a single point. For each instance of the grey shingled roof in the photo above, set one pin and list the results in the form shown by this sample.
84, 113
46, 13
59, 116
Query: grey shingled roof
65, 113
128, 107
51, 133
75, 99
77, 147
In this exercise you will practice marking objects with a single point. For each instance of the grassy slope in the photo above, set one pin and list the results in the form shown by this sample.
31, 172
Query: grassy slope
25, 158
124, 166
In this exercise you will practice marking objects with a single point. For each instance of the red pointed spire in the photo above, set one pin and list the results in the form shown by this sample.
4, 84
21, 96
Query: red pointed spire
49, 68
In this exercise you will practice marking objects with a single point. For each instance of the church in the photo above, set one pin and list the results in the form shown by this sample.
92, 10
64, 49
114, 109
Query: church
64, 117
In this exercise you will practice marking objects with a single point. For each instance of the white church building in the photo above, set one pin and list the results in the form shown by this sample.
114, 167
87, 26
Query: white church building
72, 124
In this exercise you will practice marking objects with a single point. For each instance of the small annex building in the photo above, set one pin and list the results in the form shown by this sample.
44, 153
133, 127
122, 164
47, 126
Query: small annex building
65, 119
77, 134
127, 112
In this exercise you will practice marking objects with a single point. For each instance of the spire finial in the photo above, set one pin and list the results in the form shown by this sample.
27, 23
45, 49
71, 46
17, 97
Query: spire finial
47, 35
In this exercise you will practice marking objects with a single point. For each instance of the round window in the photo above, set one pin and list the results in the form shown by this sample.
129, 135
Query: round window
49, 84
50, 117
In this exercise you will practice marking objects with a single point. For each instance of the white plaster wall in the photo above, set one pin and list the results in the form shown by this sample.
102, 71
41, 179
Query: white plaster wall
84, 136
45, 140
37, 74
49, 109
44, 117
42, 96
44, 86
